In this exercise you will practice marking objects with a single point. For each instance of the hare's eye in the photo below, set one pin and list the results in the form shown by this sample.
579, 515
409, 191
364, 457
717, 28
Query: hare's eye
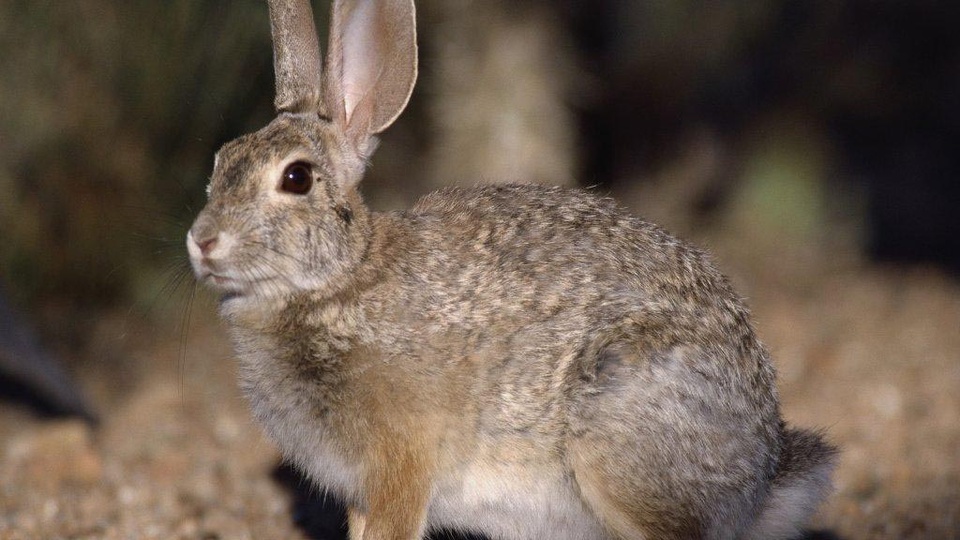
297, 178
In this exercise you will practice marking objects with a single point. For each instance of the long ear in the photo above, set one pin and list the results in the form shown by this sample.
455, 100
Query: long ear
296, 56
371, 64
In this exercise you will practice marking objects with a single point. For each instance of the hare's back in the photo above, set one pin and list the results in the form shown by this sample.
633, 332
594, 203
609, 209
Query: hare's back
568, 263
541, 234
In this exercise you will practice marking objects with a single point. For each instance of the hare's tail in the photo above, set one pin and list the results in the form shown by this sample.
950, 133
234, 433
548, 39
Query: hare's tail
802, 481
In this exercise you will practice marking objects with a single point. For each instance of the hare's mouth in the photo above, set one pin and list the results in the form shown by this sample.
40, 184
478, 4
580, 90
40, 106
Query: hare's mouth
226, 284
231, 287
222, 281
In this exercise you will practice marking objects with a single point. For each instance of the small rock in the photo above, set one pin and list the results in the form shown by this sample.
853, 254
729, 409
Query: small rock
56, 455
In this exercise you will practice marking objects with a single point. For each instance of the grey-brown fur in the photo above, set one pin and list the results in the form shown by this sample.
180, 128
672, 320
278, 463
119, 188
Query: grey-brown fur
526, 362
296, 55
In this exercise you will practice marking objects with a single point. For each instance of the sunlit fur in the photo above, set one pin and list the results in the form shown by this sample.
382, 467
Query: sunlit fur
524, 362
284, 242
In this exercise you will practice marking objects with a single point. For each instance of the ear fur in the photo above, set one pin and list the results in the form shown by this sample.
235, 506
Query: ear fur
296, 56
371, 64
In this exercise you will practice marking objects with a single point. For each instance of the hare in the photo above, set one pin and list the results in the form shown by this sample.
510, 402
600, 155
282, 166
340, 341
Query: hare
524, 362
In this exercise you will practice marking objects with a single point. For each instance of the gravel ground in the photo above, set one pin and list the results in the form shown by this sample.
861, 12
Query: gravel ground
870, 354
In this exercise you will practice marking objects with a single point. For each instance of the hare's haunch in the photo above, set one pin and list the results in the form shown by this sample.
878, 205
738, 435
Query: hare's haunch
518, 361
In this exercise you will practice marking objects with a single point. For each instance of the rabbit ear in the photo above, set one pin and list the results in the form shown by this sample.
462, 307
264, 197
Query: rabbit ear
371, 64
296, 56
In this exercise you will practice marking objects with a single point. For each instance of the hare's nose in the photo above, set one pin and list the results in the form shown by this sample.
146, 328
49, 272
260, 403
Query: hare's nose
207, 245
203, 240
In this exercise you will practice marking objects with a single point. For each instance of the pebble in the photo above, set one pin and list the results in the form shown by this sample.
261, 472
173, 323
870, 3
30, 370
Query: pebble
55, 454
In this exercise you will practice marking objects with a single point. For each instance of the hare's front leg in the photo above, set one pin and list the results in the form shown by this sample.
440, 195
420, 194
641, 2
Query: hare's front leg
356, 523
397, 487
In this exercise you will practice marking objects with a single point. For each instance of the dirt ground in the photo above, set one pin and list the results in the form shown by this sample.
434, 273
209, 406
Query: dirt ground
870, 354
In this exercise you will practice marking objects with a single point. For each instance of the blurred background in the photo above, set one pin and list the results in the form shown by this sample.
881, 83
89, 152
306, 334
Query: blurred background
812, 146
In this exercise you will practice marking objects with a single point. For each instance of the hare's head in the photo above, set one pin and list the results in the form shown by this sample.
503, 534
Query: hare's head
283, 213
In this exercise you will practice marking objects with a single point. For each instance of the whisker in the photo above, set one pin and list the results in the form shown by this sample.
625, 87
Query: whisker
184, 330
177, 273
271, 249
154, 214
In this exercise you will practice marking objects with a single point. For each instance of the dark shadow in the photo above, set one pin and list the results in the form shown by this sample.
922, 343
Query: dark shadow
18, 394
319, 517
450, 535
820, 535
33, 376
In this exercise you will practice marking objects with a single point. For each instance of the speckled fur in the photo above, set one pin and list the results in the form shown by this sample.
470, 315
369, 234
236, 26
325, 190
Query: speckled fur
527, 362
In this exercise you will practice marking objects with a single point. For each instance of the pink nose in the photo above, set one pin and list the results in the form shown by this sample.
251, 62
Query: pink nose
206, 245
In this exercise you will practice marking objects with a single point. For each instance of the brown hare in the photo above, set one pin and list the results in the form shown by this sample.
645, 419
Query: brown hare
519, 361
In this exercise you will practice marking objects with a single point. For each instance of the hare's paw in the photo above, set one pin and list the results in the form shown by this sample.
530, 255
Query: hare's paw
356, 523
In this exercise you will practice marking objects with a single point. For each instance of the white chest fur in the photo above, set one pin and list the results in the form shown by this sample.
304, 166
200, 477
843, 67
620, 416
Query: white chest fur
512, 502
282, 402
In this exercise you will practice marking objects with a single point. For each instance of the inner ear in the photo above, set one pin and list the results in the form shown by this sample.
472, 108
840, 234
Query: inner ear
361, 58
371, 63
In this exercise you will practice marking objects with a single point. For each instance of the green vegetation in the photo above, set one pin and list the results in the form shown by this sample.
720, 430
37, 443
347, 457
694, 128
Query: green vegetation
110, 113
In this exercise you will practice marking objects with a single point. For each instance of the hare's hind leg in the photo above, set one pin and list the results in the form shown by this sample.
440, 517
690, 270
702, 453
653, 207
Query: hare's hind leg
660, 452
627, 510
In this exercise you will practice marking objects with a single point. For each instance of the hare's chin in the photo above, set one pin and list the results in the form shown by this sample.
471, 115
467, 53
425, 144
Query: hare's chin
225, 284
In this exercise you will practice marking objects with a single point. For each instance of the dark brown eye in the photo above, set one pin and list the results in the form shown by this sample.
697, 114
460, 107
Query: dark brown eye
297, 178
